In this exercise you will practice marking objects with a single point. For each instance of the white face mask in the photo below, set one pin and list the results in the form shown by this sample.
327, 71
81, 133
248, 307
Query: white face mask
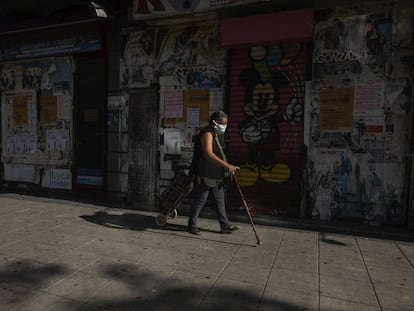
221, 128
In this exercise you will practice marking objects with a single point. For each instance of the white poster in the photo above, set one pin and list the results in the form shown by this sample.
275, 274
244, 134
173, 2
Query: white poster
57, 179
57, 142
172, 140
193, 117
216, 99
369, 98
173, 104
19, 172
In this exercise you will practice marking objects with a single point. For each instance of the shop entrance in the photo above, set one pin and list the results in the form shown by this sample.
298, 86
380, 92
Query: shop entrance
89, 169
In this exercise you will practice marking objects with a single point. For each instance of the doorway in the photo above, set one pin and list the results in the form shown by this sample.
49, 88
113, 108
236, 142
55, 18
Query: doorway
89, 97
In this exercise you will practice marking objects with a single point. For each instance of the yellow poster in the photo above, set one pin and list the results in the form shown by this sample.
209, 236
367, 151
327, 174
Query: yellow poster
48, 109
20, 111
193, 100
336, 109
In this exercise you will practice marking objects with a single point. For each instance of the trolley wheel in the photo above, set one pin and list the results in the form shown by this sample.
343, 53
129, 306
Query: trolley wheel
172, 214
161, 219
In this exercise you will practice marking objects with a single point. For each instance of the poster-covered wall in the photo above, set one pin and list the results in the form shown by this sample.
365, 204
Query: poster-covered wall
36, 118
188, 64
359, 117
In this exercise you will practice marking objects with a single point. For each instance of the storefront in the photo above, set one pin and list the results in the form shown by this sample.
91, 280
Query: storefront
268, 71
318, 102
53, 109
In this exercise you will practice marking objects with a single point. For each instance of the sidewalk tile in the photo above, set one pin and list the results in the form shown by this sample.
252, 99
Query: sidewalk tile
395, 298
294, 280
334, 304
346, 289
233, 294
276, 298
78, 286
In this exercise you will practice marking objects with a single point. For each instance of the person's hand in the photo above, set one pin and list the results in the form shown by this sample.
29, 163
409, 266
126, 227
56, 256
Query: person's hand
232, 169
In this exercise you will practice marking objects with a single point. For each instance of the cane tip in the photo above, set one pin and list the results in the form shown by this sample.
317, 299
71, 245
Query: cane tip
259, 243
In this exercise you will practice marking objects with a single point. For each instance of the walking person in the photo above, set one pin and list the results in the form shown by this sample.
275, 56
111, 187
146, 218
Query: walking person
209, 166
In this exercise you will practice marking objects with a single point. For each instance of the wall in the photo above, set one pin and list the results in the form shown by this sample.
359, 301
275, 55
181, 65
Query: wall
118, 104
37, 122
359, 116
187, 64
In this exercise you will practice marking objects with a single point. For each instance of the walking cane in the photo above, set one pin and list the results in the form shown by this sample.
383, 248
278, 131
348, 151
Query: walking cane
246, 208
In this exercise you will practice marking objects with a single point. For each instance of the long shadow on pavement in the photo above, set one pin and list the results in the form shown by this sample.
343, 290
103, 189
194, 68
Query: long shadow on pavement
129, 221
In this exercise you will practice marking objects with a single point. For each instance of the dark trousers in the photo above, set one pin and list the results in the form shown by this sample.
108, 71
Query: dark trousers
199, 197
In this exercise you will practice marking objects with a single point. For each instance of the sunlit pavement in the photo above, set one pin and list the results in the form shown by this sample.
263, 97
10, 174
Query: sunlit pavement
65, 255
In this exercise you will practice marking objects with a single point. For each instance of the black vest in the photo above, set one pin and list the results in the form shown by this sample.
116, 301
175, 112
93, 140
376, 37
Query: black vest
203, 167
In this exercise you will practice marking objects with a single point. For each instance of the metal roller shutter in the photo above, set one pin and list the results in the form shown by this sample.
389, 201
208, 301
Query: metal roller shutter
267, 86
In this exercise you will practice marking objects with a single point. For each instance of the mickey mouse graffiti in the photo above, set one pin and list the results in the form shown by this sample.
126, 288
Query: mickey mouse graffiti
259, 130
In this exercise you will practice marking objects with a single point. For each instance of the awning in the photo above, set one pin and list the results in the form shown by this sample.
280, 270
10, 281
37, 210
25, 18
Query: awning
263, 29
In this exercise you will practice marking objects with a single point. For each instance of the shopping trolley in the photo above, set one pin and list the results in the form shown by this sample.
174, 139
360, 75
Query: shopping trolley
172, 197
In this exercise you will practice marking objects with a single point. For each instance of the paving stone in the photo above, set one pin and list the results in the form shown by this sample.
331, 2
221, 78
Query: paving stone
181, 291
31, 274
346, 270
301, 262
86, 257
395, 298
12, 295
357, 291
334, 304
392, 277
78, 286
276, 298
233, 294
47, 302
294, 280
34, 251
249, 265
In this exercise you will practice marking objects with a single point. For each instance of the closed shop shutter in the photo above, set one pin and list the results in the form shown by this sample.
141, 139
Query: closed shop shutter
267, 86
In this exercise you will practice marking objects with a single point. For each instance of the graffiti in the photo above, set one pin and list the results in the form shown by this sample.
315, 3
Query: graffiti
43, 75
378, 40
187, 57
335, 65
334, 36
137, 63
270, 70
191, 56
353, 188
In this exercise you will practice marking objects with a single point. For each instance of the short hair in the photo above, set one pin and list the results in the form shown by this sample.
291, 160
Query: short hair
217, 116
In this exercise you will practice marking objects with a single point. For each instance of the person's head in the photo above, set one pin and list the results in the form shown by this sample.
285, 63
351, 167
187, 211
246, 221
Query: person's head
218, 120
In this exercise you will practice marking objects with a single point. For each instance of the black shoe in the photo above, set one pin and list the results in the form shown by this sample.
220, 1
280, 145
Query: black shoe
195, 231
229, 229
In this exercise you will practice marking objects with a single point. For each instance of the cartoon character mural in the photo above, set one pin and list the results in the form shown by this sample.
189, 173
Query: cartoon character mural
270, 70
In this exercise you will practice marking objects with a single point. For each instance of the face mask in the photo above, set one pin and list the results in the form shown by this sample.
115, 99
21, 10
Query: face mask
221, 129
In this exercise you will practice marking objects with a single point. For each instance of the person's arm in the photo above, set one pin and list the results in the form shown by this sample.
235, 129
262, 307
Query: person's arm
207, 147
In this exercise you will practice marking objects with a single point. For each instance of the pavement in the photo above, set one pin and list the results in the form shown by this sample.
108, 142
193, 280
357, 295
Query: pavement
58, 254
